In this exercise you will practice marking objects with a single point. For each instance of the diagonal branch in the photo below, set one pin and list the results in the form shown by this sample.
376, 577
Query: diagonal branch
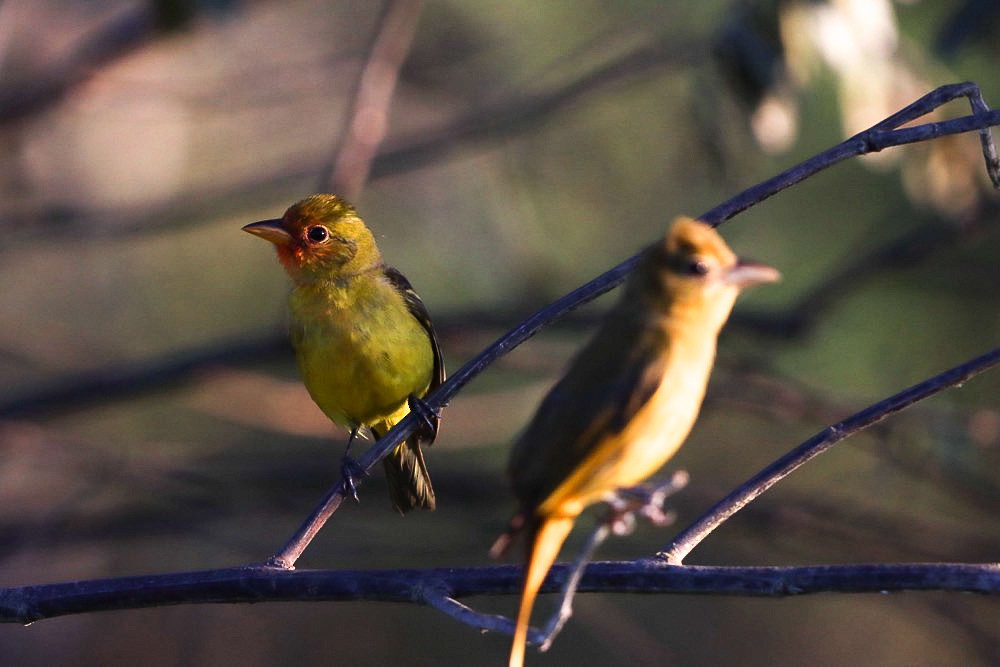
368, 117
872, 140
693, 535
27, 604
876, 138
439, 598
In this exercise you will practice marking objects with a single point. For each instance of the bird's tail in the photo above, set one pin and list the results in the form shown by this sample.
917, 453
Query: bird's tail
544, 548
409, 482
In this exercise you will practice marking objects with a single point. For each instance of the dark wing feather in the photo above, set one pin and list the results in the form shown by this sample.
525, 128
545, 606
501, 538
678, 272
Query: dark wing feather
607, 383
419, 312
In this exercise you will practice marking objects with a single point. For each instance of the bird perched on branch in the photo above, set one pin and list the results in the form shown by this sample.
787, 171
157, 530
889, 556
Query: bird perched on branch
364, 342
629, 397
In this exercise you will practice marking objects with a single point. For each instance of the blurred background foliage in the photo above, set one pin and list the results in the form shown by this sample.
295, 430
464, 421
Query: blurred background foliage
151, 419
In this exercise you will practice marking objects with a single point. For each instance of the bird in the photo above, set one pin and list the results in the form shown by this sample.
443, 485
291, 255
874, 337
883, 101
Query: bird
628, 399
364, 342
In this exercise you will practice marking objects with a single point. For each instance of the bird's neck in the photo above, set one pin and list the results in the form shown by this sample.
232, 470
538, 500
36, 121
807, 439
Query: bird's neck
341, 277
365, 271
699, 318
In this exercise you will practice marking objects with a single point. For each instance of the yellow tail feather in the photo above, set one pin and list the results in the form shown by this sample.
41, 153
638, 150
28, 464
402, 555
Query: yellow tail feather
545, 545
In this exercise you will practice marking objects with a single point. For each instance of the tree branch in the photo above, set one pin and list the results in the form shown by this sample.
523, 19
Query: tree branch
439, 598
872, 140
137, 378
27, 604
875, 139
439, 588
368, 118
693, 535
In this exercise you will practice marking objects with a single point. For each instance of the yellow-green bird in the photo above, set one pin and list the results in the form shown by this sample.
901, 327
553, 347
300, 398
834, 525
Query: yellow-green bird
629, 398
362, 337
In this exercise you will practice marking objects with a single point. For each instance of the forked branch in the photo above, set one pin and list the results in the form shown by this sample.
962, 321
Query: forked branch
877, 138
440, 587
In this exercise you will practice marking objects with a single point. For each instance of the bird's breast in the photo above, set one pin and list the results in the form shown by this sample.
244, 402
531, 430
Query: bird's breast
661, 426
653, 435
360, 352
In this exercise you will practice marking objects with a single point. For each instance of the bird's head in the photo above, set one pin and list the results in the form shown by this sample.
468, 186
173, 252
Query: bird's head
320, 237
693, 271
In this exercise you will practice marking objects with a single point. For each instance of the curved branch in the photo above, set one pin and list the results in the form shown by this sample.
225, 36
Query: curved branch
872, 140
27, 604
439, 598
877, 138
693, 535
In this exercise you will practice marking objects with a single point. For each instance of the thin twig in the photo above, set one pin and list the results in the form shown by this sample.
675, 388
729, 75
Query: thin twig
368, 118
693, 535
564, 612
27, 604
872, 140
941, 96
646, 501
438, 598
876, 138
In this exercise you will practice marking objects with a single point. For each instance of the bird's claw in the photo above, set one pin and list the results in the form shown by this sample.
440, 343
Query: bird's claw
349, 471
621, 523
646, 501
427, 416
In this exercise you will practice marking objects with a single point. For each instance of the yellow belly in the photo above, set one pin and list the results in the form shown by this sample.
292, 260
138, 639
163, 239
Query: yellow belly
361, 358
630, 456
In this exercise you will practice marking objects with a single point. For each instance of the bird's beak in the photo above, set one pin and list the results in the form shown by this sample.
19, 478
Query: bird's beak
746, 274
270, 230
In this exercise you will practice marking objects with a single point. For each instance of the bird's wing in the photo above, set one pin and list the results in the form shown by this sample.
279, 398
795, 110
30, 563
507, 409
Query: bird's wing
419, 312
607, 384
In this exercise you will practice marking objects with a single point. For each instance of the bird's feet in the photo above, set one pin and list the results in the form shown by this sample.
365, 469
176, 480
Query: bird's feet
427, 416
646, 501
351, 470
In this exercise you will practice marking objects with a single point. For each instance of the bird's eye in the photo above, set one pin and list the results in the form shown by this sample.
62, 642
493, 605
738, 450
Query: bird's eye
696, 267
317, 234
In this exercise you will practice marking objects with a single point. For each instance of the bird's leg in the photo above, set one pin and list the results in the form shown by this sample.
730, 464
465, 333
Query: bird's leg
565, 611
647, 501
349, 468
428, 417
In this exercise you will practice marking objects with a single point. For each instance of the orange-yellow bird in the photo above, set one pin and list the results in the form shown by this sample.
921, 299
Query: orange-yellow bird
629, 398
362, 337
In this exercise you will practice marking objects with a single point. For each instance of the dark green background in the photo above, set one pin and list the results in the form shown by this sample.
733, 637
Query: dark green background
120, 244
